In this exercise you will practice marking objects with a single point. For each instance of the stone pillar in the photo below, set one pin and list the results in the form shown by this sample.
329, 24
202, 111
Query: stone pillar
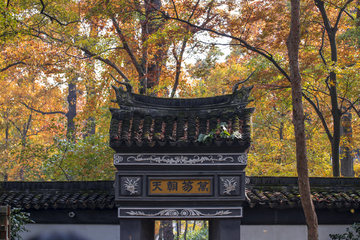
137, 229
224, 228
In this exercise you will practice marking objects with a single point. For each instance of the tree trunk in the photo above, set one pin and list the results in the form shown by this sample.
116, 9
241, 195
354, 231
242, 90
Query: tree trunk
167, 230
358, 12
336, 120
178, 226
335, 110
24, 136
347, 160
292, 43
71, 114
186, 228
152, 67
281, 131
90, 127
179, 59
5, 174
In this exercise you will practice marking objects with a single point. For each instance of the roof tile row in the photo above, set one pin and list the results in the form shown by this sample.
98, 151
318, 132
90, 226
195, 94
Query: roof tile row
58, 200
257, 195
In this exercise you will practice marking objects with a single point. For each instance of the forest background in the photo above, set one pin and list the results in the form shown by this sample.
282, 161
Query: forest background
59, 59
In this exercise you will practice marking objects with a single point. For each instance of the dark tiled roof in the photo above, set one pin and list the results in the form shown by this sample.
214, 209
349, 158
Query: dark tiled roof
43, 195
261, 192
150, 121
283, 192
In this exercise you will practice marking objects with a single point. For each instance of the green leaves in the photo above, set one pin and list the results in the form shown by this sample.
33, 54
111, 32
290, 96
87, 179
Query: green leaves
85, 159
18, 221
349, 235
220, 131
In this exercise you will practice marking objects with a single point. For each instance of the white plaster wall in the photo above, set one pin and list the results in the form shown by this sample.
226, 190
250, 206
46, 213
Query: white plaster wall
287, 232
89, 231
248, 232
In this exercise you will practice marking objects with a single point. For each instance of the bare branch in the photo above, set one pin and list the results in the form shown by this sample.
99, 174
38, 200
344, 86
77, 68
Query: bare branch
178, 66
351, 105
321, 116
327, 82
192, 14
61, 161
127, 47
321, 47
175, 9
110, 63
52, 18
27, 126
349, 14
39, 111
89, 53
242, 43
15, 125
340, 13
11, 65
87, 57
247, 20
106, 61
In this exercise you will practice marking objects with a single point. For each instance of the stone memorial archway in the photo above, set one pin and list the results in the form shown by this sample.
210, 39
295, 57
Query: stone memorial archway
180, 159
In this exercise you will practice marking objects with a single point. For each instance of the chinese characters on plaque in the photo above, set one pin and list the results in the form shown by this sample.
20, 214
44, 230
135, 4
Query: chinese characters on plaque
180, 186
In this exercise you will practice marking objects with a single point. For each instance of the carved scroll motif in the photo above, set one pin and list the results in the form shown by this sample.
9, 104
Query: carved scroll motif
174, 213
242, 159
118, 158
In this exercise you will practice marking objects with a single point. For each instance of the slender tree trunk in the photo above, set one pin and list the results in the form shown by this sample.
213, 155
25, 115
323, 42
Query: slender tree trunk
90, 127
90, 124
151, 65
281, 131
186, 228
335, 111
5, 174
332, 84
335, 146
23, 158
178, 232
178, 59
347, 160
293, 42
71, 114
167, 230
358, 12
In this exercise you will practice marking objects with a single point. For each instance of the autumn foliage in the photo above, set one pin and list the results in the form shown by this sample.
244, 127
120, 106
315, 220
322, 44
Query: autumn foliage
51, 48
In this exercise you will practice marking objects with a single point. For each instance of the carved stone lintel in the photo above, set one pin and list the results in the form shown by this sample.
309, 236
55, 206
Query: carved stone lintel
180, 159
177, 213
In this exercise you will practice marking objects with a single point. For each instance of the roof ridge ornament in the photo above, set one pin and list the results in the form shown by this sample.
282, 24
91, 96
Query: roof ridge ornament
128, 86
235, 87
127, 98
242, 95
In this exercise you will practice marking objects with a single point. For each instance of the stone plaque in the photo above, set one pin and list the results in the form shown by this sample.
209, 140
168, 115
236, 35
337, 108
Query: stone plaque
180, 186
